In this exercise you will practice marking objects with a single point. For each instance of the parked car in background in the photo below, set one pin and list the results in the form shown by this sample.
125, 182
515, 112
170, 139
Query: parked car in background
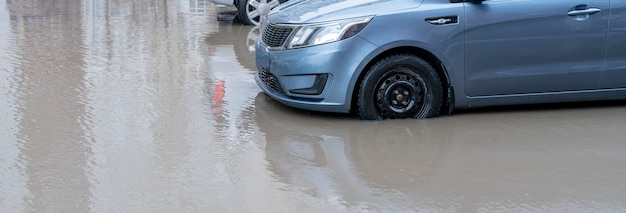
248, 10
419, 58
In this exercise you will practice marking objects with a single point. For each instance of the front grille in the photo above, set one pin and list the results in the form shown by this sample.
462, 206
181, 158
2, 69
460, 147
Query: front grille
275, 35
271, 81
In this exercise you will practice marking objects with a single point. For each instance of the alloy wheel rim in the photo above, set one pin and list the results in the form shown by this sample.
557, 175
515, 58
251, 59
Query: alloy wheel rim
253, 12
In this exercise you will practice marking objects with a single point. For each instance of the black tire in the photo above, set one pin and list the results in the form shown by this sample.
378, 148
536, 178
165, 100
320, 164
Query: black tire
400, 86
247, 10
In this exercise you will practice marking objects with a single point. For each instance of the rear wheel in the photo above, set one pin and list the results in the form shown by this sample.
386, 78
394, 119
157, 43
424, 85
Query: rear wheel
248, 10
400, 86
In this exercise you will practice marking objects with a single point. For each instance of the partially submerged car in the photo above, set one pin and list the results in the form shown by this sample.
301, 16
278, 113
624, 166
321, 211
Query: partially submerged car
419, 58
248, 10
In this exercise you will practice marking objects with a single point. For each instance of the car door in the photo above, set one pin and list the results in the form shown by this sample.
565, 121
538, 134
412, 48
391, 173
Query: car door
615, 62
533, 46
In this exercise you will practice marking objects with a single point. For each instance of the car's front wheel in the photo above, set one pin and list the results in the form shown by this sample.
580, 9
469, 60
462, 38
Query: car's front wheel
400, 86
249, 11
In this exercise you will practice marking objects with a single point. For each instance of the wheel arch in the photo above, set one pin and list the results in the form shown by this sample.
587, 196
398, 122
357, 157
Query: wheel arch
448, 93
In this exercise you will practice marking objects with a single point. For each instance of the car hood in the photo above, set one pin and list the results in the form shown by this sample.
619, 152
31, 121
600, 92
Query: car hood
309, 11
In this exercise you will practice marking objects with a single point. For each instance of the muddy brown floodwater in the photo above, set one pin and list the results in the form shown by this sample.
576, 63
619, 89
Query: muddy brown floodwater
151, 106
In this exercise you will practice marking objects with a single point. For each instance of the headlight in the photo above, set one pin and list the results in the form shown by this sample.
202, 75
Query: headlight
322, 33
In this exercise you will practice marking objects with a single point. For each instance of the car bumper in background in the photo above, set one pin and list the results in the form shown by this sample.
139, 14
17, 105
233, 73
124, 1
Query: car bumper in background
223, 2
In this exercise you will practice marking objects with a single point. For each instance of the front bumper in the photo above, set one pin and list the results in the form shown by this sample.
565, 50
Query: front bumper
318, 78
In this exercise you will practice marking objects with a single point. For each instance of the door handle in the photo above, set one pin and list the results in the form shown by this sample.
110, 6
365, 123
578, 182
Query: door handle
588, 11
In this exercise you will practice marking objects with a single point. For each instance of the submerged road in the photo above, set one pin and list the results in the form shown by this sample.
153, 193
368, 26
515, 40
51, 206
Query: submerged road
151, 106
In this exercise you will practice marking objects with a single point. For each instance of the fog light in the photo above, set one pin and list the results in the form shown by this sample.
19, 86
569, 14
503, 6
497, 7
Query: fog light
316, 89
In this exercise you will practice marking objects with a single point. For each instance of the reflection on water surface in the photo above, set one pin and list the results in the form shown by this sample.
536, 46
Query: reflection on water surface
137, 106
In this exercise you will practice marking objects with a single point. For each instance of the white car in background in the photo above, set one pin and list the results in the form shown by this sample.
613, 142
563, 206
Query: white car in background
248, 11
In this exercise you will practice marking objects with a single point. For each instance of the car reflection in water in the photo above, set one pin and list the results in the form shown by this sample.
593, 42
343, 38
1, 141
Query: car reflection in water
230, 68
336, 158
241, 37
